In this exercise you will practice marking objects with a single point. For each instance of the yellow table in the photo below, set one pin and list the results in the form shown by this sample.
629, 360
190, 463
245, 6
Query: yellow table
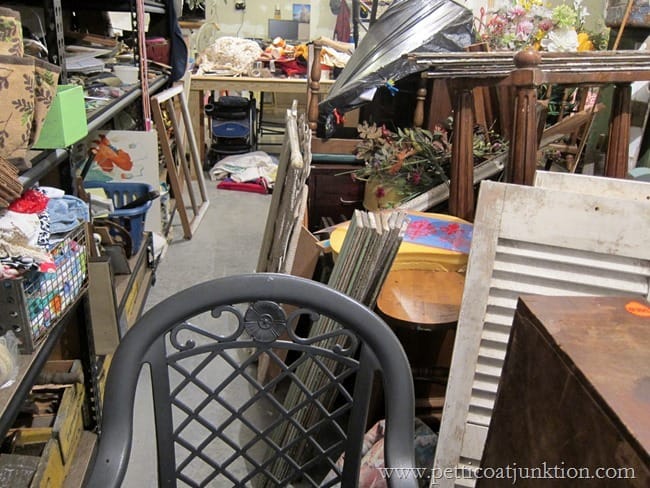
416, 256
201, 83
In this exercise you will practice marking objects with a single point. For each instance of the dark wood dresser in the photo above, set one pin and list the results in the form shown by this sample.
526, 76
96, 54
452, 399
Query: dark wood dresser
574, 397
333, 194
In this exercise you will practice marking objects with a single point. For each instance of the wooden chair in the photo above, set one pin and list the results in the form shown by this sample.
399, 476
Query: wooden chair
340, 146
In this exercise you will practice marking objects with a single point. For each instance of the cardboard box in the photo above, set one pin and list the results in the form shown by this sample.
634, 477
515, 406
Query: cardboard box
65, 122
103, 305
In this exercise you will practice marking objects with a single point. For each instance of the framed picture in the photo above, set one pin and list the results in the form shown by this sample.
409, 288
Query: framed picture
302, 12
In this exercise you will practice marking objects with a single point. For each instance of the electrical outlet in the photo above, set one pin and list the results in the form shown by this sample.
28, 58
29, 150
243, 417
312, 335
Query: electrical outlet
240, 5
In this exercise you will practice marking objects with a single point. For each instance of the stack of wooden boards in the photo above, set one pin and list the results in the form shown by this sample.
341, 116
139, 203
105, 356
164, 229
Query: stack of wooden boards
366, 256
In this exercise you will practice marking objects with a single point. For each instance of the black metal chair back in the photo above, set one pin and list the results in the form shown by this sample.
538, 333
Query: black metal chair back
218, 425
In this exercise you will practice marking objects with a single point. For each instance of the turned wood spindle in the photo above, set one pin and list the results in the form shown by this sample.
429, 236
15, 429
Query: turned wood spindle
313, 95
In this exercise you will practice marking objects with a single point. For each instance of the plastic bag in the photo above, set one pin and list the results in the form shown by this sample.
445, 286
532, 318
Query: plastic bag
8, 359
407, 26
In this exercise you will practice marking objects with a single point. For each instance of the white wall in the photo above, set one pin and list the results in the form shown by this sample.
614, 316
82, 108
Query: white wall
252, 22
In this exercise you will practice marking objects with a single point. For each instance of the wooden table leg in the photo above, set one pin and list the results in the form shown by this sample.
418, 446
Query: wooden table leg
461, 189
618, 146
523, 147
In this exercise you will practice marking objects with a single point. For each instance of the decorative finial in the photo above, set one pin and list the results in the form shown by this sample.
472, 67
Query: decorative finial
528, 58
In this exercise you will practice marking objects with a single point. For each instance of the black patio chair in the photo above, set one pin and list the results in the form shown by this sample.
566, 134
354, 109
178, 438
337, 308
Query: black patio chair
204, 343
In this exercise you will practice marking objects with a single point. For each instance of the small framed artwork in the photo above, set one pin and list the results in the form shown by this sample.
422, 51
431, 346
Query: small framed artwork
301, 12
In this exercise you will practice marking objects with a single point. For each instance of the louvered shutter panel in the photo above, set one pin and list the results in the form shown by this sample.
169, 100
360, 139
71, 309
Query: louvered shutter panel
529, 240
594, 185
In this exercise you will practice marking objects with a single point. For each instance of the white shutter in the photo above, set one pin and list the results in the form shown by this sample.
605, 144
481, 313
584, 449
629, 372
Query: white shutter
530, 240
594, 185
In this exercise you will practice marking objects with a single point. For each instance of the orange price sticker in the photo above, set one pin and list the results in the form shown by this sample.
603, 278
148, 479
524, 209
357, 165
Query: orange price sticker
638, 309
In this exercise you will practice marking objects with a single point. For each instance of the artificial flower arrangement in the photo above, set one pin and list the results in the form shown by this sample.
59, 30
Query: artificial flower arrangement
530, 24
400, 165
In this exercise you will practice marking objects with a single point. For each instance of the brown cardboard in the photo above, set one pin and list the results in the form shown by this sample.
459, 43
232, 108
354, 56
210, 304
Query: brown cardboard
307, 254
103, 308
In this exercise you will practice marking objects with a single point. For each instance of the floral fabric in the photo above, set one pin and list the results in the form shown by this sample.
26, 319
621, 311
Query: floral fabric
371, 474
16, 106
27, 88
11, 33
443, 234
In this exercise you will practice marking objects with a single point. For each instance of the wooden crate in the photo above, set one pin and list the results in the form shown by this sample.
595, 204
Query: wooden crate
69, 421
30, 471
50, 471
44, 446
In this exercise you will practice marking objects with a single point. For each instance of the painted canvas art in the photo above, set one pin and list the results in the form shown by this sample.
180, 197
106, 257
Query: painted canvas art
125, 156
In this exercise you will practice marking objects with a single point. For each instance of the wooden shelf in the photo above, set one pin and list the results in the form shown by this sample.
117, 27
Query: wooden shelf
45, 161
191, 24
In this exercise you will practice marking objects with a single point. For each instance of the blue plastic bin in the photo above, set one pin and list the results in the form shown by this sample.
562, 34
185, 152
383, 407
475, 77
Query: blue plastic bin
131, 219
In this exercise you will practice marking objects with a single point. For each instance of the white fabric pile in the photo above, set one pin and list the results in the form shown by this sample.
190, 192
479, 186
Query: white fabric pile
246, 167
229, 54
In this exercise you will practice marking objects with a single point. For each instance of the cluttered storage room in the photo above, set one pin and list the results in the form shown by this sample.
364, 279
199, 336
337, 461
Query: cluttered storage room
343, 243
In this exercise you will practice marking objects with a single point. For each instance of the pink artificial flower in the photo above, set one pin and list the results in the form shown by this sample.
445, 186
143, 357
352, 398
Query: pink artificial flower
524, 29
518, 11
546, 25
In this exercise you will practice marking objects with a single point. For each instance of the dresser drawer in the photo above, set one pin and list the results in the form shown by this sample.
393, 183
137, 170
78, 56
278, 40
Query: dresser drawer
333, 194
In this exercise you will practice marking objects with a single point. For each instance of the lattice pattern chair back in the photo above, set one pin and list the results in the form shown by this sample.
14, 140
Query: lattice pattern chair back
217, 425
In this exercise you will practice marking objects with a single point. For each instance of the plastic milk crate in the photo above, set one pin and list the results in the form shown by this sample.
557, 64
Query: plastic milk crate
132, 219
33, 304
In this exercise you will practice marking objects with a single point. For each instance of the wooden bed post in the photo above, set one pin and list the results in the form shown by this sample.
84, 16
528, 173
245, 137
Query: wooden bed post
618, 146
420, 97
313, 86
461, 190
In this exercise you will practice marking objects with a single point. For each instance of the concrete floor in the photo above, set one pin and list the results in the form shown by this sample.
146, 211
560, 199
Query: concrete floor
227, 242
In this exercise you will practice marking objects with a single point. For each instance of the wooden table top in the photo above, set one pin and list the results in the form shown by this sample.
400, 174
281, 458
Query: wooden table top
275, 85
422, 298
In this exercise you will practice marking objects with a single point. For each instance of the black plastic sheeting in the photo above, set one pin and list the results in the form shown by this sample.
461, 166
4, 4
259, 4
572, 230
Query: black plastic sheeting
407, 26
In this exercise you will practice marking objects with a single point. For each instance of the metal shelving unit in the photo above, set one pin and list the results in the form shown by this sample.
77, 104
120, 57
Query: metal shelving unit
29, 366
46, 162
